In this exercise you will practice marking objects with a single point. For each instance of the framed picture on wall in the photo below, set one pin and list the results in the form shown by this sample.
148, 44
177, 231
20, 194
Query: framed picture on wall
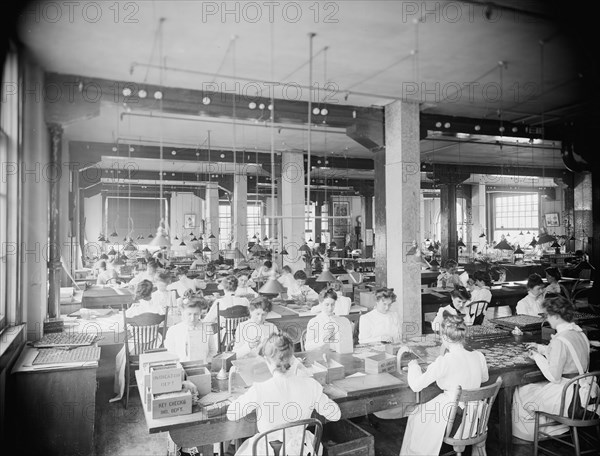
340, 225
189, 221
552, 219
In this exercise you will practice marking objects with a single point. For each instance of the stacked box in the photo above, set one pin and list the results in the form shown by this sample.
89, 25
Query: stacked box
199, 375
382, 362
163, 394
334, 370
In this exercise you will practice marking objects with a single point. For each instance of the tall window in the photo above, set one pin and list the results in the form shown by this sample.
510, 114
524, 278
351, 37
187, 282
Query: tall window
10, 213
514, 214
254, 220
224, 225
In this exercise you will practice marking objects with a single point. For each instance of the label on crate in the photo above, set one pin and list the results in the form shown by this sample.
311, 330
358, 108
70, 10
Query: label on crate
165, 380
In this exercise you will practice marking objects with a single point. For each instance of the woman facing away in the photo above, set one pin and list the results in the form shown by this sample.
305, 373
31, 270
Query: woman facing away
457, 367
567, 355
281, 400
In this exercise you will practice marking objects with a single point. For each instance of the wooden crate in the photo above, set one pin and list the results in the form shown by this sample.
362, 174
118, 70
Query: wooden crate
199, 375
335, 370
318, 372
344, 438
382, 362
165, 379
169, 404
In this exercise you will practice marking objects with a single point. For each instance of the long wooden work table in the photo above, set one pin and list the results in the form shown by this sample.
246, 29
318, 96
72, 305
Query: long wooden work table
197, 429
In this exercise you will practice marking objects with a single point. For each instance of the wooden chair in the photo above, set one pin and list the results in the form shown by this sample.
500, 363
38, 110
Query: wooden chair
469, 425
476, 311
573, 417
228, 320
143, 333
303, 340
278, 447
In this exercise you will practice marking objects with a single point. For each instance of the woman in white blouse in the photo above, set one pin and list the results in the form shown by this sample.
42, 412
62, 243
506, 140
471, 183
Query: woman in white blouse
567, 354
380, 324
326, 327
229, 284
532, 303
278, 399
244, 286
251, 334
457, 367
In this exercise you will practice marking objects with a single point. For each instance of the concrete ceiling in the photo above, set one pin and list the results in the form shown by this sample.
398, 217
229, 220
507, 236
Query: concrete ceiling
444, 55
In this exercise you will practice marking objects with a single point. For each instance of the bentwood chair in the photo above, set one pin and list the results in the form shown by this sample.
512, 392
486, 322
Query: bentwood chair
572, 414
143, 333
476, 311
469, 416
228, 320
269, 443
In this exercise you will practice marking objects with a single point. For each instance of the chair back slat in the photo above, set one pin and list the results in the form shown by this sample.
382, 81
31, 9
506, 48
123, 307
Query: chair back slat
280, 447
476, 405
144, 330
589, 408
229, 319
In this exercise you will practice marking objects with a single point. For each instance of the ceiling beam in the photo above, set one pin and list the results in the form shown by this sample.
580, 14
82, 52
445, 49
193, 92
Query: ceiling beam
508, 170
70, 90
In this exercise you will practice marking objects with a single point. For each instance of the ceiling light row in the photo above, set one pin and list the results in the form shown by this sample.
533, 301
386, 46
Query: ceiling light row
142, 93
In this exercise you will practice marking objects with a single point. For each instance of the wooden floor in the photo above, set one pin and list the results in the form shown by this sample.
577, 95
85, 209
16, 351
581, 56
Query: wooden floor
123, 432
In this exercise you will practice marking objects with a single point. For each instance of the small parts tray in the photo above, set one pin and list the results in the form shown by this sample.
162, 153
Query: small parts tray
523, 322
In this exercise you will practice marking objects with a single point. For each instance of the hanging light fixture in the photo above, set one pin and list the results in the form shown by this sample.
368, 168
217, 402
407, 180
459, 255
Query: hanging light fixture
162, 238
461, 243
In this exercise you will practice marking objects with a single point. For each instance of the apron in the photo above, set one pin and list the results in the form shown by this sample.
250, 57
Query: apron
543, 397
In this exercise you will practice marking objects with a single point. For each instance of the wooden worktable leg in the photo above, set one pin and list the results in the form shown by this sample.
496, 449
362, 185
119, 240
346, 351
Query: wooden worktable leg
505, 419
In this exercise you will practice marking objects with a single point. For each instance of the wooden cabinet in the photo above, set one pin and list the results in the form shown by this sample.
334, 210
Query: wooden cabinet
53, 409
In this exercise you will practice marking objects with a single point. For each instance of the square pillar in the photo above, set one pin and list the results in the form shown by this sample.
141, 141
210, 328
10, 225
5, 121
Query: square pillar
240, 212
402, 211
292, 208
212, 219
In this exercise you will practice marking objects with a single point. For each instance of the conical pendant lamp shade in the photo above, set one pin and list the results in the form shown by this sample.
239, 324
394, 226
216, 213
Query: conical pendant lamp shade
545, 238
326, 276
272, 287
503, 245
206, 249
304, 248
257, 248
461, 243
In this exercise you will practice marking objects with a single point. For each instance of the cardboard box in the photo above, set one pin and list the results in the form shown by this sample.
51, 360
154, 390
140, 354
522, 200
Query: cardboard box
346, 438
382, 362
222, 359
199, 375
318, 372
392, 349
165, 379
156, 357
335, 370
170, 404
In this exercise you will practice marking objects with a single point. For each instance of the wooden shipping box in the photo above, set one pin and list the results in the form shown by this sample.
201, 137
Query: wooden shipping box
199, 375
346, 438
165, 379
318, 372
156, 358
335, 370
169, 404
382, 362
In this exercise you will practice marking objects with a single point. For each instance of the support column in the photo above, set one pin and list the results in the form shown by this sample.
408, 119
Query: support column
318, 221
240, 212
448, 178
212, 219
448, 222
478, 205
582, 213
54, 266
368, 223
402, 218
292, 208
